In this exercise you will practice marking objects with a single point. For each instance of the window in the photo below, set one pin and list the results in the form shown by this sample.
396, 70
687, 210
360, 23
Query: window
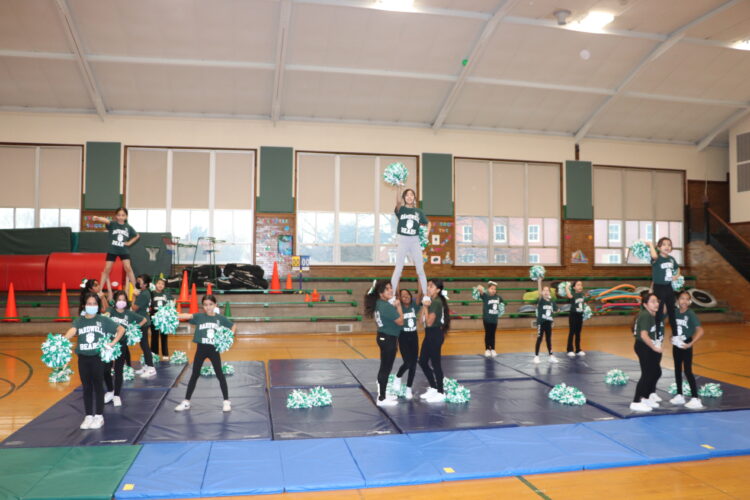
534, 258
614, 232
501, 258
500, 233
534, 233
614, 258
468, 233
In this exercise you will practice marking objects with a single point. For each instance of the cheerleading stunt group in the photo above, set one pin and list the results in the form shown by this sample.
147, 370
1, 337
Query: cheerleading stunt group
105, 318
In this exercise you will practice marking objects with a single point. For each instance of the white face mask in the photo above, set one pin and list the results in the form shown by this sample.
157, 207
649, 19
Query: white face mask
92, 310
120, 304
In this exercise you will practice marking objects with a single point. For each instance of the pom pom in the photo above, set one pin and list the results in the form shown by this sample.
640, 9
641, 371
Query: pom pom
60, 375
678, 283
562, 289
537, 272
227, 369
396, 174
178, 358
500, 309
297, 400
455, 392
685, 389
165, 319
401, 392
567, 395
678, 340
320, 396
133, 334
223, 339
154, 360
208, 370
587, 312
641, 251
423, 240
108, 353
658, 342
475, 293
710, 390
616, 377
128, 373
56, 351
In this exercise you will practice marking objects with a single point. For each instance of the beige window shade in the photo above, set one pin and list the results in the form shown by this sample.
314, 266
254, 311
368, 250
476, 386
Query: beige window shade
315, 182
190, 177
60, 177
608, 190
357, 183
543, 190
17, 167
669, 191
639, 203
472, 179
147, 178
388, 193
234, 181
508, 189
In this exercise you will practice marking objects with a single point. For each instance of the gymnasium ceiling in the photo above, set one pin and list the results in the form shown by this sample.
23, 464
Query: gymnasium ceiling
662, 70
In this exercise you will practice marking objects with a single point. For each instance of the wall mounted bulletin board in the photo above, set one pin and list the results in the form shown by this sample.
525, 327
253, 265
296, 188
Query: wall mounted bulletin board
440, 252
274, 242
87, 223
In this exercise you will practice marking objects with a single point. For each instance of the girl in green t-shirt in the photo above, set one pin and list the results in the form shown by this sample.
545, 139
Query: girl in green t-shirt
122, 315
490, 315
648, 339
664, 269
689, 331
409, 219
575, 317
546, 307
389, 320
437, 321
408, 343
121, 238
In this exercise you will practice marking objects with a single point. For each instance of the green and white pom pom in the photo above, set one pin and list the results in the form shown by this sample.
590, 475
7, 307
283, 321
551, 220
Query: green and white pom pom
133, 334
207, 370
178, 358
678, 283
319, 397
401, 393
154, 360
165, 319
396, 174
128, 373
56, 351
108, 353
297, 400
562, 289
223, 339
616, 377
500, 309
710, 390
587, 312
424, 241
685, 389
567, 395
640, 251
455, 392
537, 272
60, 375
227, 369
475, 293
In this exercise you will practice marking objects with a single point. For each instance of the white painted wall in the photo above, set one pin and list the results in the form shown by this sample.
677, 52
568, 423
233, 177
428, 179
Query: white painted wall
739, 203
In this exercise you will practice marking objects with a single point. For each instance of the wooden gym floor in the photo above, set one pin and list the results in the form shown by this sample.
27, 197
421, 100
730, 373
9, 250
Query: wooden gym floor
724, 354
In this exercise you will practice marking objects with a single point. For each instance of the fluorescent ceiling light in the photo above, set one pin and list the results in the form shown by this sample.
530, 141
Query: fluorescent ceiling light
398, 5
595, 21
742, 45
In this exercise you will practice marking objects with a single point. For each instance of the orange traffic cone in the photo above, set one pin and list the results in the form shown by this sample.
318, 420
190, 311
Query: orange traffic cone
184, 288
315, 296
193, 301
275, 282
288, 282
11, 313
307, 297
210, 289
119, 286
63, 311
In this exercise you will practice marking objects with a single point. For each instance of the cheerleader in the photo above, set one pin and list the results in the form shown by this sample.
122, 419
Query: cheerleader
91, 329
664, 270
437, 321
159, 299
648, 348
490, 315
121, 315
389, 320
408, 343
121, 238
545, 309
206, 324
688, 326
407, 233
142, 305
575, 318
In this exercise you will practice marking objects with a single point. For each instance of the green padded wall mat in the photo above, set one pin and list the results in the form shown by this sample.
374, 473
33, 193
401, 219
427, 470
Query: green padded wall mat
102, 176
578, 194
276, 175
38, 241
437, 184
21, 469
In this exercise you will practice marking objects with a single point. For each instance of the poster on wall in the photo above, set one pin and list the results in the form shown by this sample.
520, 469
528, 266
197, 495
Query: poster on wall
274, 242
438, 252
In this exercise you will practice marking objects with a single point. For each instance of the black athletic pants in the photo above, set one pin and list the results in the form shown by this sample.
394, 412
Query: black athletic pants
118, 364
207, 351
576, 325
666, 297
408, 344
489, 335
683, 360
148, 357
430, 355
91, 371
650, 370
543, 329
388, 345
155, 336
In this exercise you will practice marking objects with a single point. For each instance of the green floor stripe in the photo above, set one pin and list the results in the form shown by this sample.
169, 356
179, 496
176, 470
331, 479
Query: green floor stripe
533, 488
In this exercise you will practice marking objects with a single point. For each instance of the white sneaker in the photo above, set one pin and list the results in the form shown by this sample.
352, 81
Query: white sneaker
640, 407
409, 394
649, 403
226, 406
493, 353
581, 353
487, 353
571, 354
165, 358
655, 398
536, 360
116, 401
694, 404
678, 400
386, 402
553, 359
185, 405
108, 396
86, 424
149, 372
429, 392
438, 397
97, 422
426, 300
396, 384
140, 370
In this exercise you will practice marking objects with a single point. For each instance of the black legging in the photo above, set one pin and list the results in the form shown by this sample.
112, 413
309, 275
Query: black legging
650, 370
666, 297
118, 365
544, 329
207, 351
408, 344
91, 371
576, 325
155, 335
147, 356
683, 360
489, 335
430, 355
388, 347
126, 355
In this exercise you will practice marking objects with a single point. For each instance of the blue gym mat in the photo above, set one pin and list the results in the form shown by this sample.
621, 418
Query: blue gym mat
319, 464
243, 468
58, 426
593, 362
309, 373
166, 376
352, 414
205, 421
247, 374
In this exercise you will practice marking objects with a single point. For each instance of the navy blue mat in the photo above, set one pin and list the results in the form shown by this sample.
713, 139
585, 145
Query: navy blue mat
734, 397
58, 426
249, 418
309, 373
166, 376
319, 464
247, 374
243, 468
352, 414
594, 362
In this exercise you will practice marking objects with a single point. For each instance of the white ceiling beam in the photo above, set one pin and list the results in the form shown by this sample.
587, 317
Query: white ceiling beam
282, 42
657, 51
74, 40
173, 61
721, 127
372, 5
475, 54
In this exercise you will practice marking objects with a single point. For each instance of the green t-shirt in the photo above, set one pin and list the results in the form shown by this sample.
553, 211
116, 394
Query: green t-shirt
90, 332
578, 302
410, 318
126, 317
491, 307
206, 326
159, 300
385, 317
648, 323
409, 220
143, 301
664, 269
119, 234
544, 310
436, 308
687, 322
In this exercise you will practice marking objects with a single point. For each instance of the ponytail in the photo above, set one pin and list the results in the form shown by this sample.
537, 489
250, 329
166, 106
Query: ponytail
372, 296
446, 310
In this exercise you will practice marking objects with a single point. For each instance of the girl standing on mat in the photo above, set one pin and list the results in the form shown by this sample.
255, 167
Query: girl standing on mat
575, 318
664, 269
206, 324
647, 347
490, 314
407, 236
121, 238
408, 343
142, 305
437, 321
159, 299
121, 315
91, 329
545, 309
689, 326
389, 320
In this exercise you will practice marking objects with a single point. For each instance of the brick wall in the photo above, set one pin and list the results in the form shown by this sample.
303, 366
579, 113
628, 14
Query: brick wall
716, 275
